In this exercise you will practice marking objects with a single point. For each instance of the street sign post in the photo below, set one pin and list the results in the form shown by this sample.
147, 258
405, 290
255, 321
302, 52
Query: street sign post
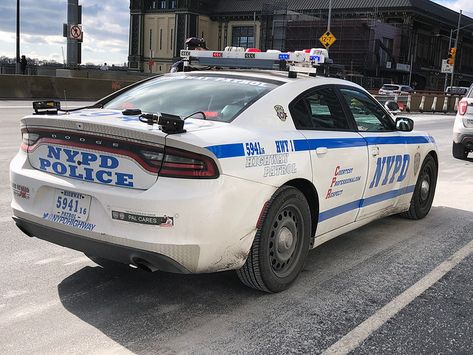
446, 68
327, 39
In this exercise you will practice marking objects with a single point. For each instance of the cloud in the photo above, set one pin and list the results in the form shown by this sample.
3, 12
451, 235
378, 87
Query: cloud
105, 26
457, 5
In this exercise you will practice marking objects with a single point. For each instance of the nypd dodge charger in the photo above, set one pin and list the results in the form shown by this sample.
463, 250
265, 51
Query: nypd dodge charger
205, 171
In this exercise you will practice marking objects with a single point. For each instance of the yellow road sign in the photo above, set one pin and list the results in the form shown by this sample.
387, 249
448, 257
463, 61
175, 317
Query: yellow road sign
327, 39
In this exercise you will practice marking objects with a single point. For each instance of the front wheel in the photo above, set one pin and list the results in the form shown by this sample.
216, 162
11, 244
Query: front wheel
281, 245
424, 191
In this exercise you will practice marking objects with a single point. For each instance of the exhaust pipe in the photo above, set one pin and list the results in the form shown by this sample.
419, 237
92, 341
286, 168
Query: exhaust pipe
143, 265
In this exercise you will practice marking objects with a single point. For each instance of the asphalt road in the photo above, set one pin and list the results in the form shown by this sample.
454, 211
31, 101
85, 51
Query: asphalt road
393, 286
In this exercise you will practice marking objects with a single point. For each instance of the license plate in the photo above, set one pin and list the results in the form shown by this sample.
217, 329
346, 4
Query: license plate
71, 205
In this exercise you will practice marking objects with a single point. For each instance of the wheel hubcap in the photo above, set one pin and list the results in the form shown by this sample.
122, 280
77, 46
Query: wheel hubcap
424, 189
285, 243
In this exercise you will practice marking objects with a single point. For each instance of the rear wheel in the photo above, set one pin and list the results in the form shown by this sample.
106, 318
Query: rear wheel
281, 244
459, 151
424, 191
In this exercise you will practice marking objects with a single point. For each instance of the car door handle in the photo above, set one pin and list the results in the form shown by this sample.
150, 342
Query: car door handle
375, 151
321, 150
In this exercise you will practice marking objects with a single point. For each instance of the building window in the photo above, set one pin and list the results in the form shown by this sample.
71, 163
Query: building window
243, 36
172, 4
162, 4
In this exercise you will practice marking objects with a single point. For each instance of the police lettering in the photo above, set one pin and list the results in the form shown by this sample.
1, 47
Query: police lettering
390, 169
85, 166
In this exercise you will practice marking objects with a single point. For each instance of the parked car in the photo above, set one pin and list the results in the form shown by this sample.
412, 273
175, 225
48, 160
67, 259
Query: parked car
463, 127
456, 90
395, 89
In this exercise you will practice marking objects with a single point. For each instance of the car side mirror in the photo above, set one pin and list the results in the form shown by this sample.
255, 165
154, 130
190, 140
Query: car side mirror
404, 124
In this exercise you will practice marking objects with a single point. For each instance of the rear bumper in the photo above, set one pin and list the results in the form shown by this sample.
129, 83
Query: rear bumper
214, 220
119, 253
466, 139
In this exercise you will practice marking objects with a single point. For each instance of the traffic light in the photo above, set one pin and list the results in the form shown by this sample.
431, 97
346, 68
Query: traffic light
451, 56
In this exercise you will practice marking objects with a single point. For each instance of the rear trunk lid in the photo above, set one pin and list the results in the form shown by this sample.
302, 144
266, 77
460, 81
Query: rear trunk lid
99, 146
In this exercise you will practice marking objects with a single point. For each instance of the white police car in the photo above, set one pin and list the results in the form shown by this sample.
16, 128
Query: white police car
264, 168
463, 127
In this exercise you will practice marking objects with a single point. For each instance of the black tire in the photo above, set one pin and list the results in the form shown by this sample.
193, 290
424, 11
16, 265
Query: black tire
459, 151
281, 245
424, 191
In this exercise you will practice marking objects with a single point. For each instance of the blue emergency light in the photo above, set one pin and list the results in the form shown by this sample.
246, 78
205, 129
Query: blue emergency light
284, 56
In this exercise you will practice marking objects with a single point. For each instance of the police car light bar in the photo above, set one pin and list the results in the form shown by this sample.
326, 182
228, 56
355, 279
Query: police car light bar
296, 62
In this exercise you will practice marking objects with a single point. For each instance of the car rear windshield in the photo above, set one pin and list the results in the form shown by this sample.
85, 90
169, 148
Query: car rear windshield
390, 87
220, 97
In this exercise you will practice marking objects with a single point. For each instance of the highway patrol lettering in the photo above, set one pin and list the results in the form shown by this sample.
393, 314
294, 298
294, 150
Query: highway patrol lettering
274, 164
85, 166
392, 168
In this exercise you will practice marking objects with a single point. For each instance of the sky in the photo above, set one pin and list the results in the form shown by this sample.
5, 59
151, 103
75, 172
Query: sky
105, 25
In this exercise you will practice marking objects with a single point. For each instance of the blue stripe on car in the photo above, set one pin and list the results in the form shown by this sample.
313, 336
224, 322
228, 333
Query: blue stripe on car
228, 150
237, 149
325, 215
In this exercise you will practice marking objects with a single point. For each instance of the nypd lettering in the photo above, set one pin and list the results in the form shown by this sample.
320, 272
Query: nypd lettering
390, 169
83, 165
68, 221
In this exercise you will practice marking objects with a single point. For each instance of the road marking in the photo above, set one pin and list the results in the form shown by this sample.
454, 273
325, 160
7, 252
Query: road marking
356, 336
48, 260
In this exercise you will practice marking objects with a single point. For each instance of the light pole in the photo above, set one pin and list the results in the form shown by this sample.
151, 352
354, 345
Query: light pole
452, 31
17, 68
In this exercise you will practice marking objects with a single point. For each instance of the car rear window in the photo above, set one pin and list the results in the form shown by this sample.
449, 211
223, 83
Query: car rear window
220, 97
390, 87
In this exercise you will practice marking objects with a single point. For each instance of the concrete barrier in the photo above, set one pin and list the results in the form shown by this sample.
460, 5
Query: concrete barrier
434, 104
46, 87
424, 102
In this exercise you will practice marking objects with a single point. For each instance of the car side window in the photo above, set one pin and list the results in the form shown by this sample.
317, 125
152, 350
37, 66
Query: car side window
368, 115
319, 109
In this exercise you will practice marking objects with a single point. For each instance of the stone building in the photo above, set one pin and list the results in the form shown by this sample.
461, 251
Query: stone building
395, 40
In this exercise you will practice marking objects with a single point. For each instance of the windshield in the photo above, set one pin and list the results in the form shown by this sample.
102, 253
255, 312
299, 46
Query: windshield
220, 97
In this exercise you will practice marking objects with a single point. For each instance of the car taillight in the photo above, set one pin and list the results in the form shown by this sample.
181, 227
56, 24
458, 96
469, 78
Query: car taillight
153, 158
182, 164
28, 139
462, 107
